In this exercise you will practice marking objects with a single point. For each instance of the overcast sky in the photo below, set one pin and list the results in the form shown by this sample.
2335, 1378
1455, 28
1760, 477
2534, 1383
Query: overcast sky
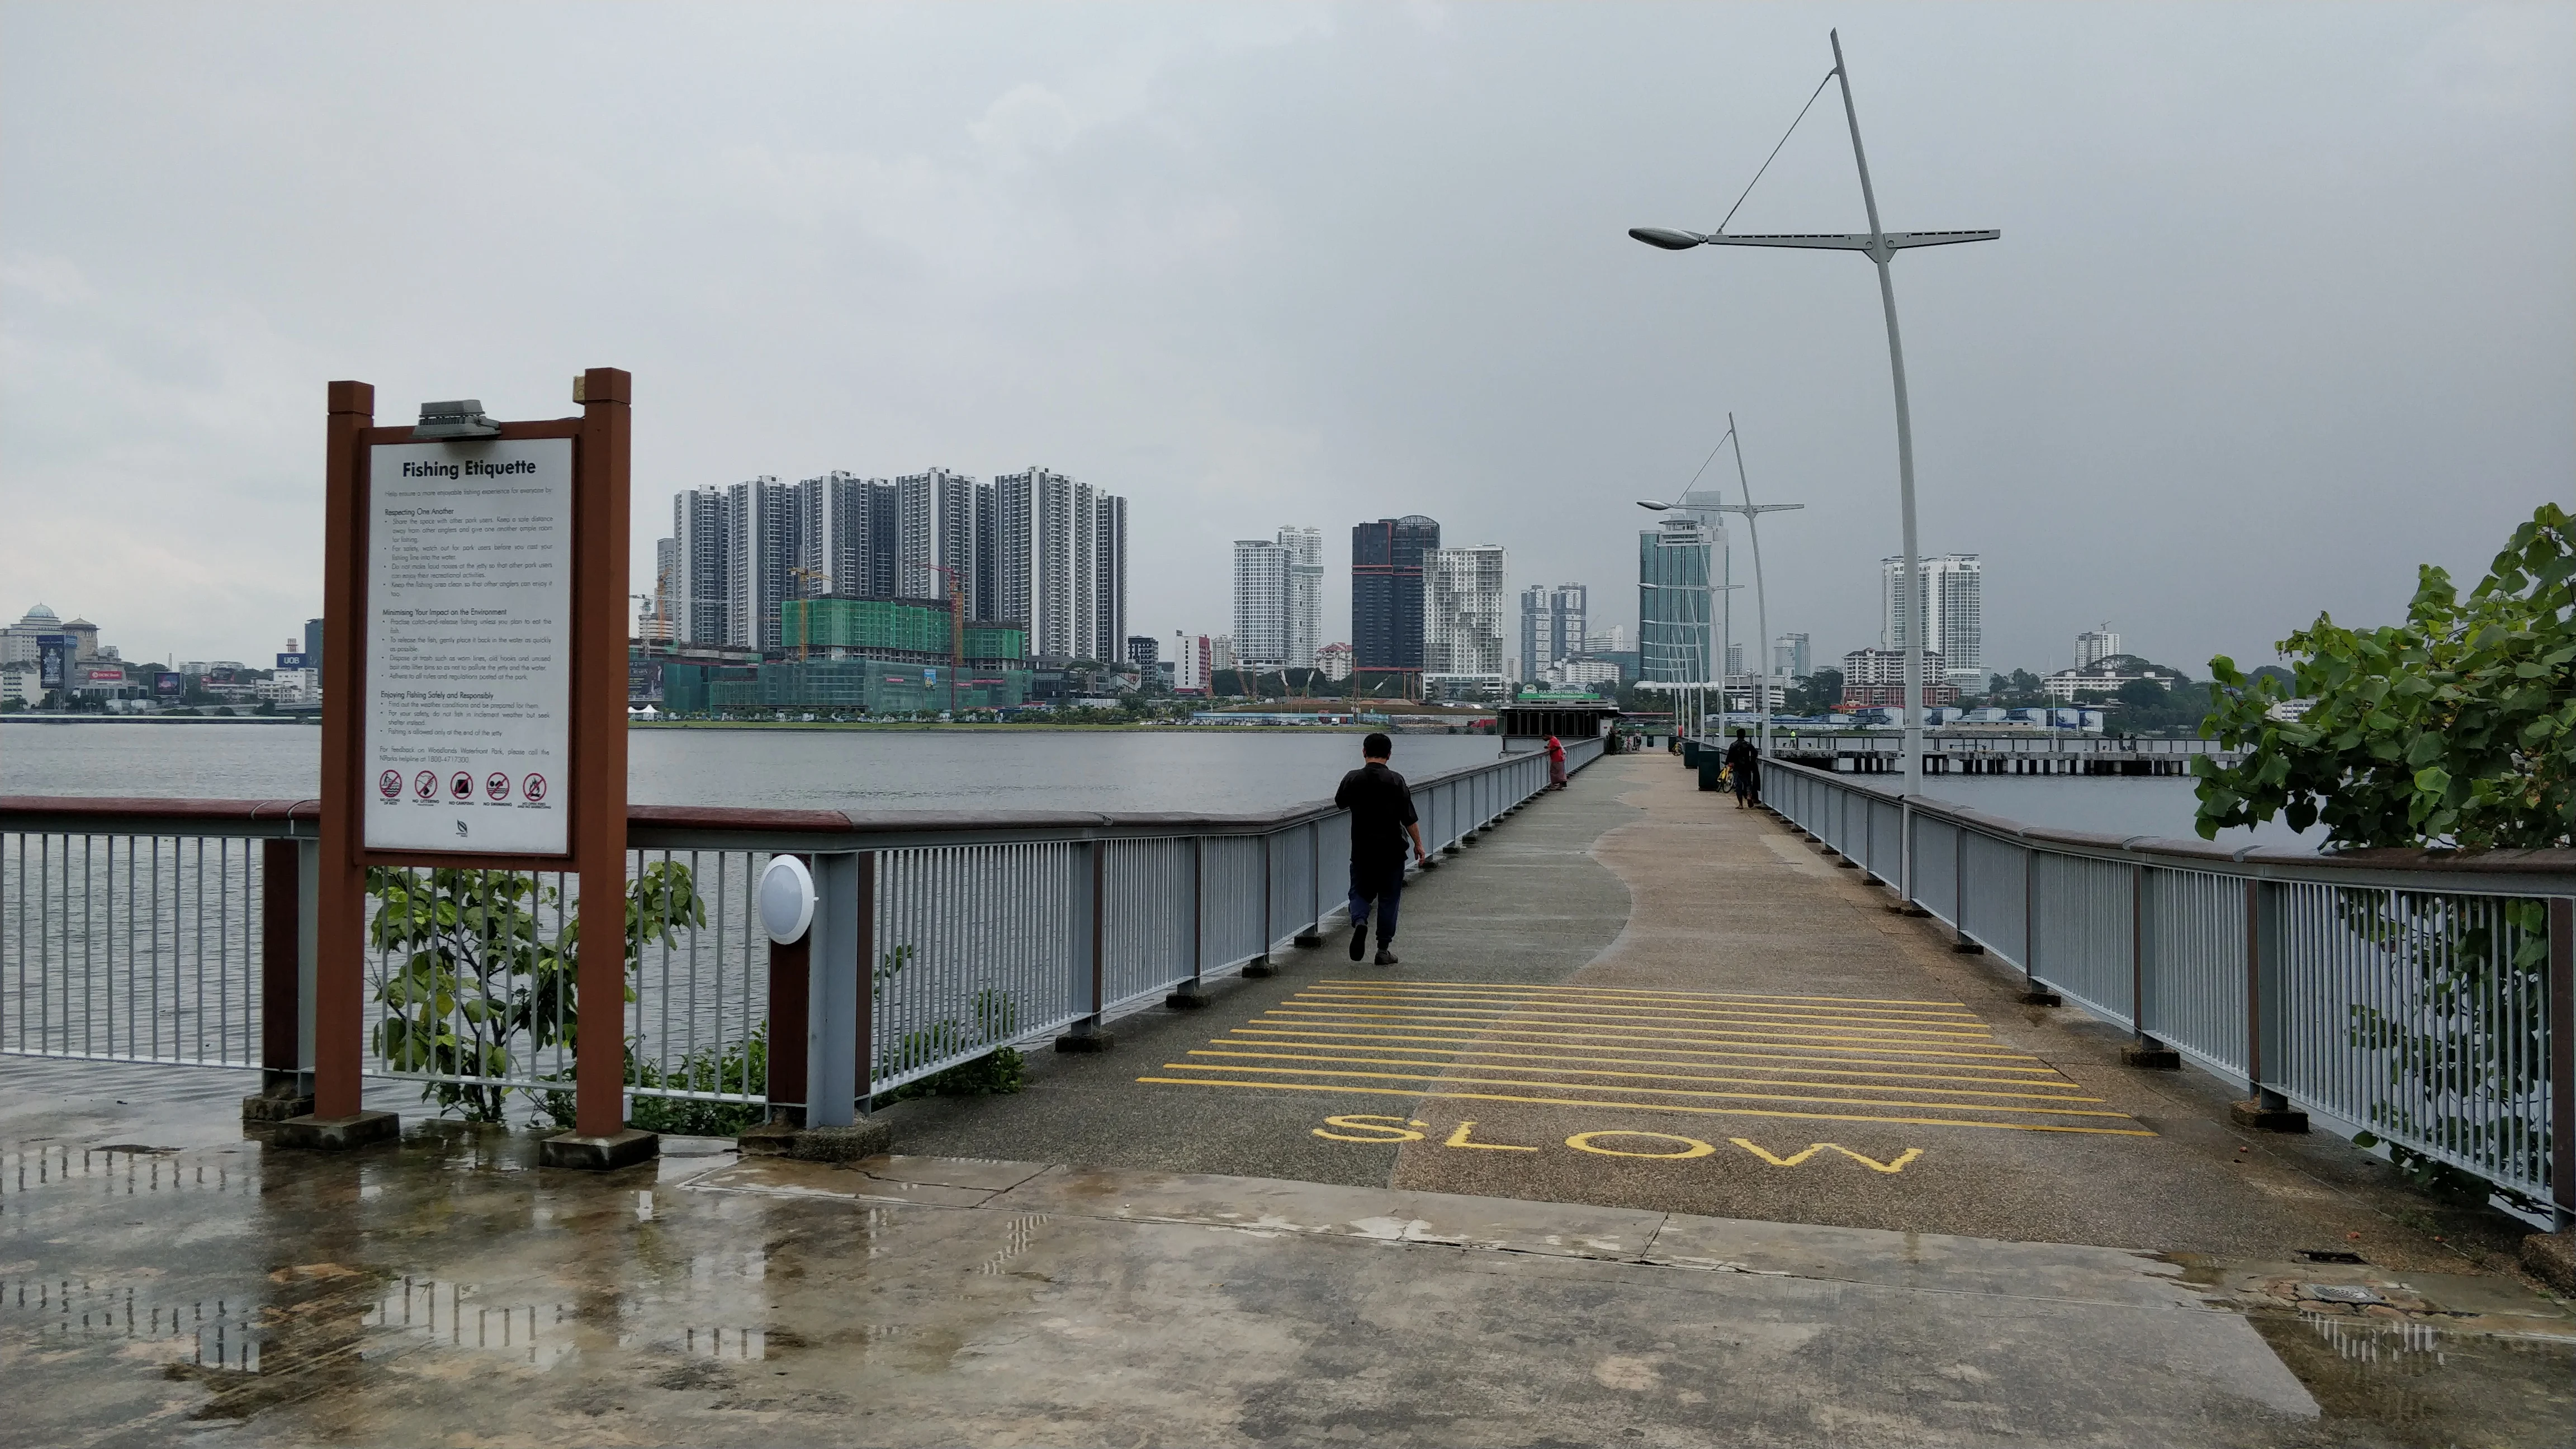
2283, 304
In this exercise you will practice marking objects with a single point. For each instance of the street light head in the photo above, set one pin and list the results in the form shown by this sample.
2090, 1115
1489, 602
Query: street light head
1657, 507
1667, 238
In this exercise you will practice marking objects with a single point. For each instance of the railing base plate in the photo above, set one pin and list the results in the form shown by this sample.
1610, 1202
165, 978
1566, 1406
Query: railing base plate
599, 1154
2151, 1058
1966, 947
819, 1144
2256, 1116
1261, 969
1308, 938
1097, 1041
1189, 998
2041, 996
336, 1134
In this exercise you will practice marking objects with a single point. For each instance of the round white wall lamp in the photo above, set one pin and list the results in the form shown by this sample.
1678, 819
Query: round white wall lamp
786, 897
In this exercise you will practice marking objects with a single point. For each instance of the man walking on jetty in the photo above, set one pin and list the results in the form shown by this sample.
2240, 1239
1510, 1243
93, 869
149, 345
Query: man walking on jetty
1744, 770
1382, 819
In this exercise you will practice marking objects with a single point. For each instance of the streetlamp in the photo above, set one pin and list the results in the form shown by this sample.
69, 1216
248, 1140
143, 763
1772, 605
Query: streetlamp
1752, 513
1880, 246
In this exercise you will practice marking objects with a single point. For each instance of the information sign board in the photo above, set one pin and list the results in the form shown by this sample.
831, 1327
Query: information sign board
467, 703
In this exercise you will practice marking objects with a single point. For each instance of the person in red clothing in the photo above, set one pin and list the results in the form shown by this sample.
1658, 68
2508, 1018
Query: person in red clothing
1555, 763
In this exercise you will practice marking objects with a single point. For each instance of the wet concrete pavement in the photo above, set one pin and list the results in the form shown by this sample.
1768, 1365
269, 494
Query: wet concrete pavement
1511, 1236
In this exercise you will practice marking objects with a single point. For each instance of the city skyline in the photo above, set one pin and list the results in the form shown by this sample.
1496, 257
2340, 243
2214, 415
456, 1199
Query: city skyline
1221, 327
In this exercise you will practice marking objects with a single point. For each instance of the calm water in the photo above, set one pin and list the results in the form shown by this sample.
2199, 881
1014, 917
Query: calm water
1006, 769
1014, 769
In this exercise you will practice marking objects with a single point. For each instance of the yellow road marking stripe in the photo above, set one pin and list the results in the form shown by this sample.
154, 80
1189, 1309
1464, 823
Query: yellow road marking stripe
1651, 1106
1429, 1001
1609, 1022
1811, 1041
1552, 1012
1739, 1061
1580, 1071
1628, 991
1890, 1056
1657, 1091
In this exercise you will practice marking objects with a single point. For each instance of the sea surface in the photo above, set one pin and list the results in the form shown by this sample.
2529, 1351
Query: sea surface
1007, 768
1218, 771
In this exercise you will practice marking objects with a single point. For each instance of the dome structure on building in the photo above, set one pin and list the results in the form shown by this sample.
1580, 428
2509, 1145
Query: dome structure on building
39, 615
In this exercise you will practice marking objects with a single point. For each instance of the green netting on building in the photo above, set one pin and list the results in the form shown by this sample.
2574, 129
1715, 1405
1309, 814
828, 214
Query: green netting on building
900, 625
875, 685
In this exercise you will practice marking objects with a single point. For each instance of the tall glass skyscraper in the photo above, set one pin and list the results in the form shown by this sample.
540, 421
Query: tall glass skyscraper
1387, 603
1673, 602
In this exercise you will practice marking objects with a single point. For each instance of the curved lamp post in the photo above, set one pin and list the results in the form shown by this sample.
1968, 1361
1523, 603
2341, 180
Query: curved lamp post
1880, 246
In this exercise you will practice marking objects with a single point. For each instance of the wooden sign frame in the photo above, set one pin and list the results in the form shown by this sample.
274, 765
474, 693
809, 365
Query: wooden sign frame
595, 777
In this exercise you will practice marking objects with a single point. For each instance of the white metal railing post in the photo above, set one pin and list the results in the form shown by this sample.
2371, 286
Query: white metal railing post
1260, 965
833, 1000
1085, 956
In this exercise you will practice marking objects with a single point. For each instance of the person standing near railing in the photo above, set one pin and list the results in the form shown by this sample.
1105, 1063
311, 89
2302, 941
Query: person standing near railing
1382, 819
1744, 770
1555, 763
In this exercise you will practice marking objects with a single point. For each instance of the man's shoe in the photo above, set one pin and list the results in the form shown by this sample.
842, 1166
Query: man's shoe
1385, 957
1359, 940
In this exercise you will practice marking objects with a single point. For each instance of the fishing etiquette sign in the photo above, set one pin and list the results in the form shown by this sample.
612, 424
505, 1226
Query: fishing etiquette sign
469, 646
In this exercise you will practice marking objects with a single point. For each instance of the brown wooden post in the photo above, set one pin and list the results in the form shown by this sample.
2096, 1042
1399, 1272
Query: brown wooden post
339, 985
283, 1091
789, 971
600, 525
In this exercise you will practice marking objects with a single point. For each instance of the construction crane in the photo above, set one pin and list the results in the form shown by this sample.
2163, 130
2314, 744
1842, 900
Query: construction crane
804, 616
956, 631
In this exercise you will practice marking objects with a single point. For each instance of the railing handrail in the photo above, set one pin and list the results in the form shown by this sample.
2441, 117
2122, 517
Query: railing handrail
675, 826
2540, 872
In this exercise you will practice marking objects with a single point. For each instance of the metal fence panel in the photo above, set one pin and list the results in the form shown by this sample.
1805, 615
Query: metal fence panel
2081, 932
2193, 940
2422, 1017
978, 946
1936, 867
1995, 910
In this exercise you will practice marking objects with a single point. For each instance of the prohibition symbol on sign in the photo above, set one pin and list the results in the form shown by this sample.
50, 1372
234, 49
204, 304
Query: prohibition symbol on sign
497, 785
425, 785
462, 787
389, 784
534, 788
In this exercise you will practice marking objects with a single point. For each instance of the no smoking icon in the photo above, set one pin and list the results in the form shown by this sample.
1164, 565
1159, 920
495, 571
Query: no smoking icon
534, 788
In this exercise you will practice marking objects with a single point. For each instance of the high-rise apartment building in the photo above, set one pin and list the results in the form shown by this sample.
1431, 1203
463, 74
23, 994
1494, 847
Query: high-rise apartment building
656, 624
1554, 626
1673, 599
1032, 548
1278, 598
1387, 602
1061, 563
937, 548
1304, 552
2095, 645
1949, 608
701, 588
1792, 656
1462, 621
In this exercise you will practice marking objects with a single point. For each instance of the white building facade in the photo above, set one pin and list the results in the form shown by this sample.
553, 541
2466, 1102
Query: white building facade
1462, 622
1949, 609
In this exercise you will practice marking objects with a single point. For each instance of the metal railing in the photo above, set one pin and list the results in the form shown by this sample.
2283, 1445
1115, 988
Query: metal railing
2421, 997
182, 932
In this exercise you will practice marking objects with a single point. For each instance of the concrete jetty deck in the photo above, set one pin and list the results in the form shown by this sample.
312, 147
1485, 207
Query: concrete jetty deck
1665, 1131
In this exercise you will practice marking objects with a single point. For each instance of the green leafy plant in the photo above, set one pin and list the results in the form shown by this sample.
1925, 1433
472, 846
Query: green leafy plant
2454, 730
995, 1015
477, 986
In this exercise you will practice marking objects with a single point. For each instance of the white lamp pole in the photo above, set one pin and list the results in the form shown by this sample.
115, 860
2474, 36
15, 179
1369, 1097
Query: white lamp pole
1761, 598
1880, 246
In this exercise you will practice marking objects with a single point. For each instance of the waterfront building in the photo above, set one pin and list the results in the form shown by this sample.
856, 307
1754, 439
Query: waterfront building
313, 644
1462, 622
1790, 657
1333, 661
1949, 609
1387, 608
853, 537
23, 642
1061, 563
1260, 603
764, 526
1304, 550
1876, 678
701, 590
1144, 651
1610, 640
1190, 662
1554, 626
1673, 601
2095, 645
2105, 675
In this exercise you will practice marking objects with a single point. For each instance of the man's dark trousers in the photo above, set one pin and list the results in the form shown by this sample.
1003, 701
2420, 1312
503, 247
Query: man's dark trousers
1383, 883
